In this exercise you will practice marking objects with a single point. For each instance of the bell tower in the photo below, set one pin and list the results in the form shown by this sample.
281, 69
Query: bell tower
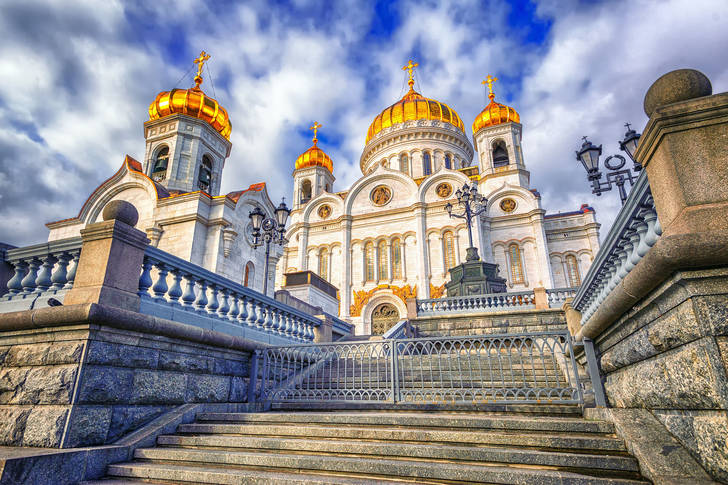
187, 138
313, 172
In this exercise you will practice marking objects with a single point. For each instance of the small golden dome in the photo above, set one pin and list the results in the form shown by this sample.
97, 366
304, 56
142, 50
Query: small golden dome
413, 106
494, 113
314, 156
192, 102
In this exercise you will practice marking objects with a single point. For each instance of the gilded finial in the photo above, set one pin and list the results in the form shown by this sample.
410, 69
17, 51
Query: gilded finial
489, 81
316, 125
410, 67
200, 61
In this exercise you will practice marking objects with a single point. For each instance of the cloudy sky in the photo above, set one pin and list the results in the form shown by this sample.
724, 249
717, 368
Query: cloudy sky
77, 78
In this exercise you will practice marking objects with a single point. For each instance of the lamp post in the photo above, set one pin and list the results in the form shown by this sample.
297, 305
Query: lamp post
267, 231
473, 204
589, 155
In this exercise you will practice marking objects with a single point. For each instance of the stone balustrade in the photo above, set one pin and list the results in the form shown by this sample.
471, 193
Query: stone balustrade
634, 232
173, 288
401, 329
522, 300
556, 297
41, 271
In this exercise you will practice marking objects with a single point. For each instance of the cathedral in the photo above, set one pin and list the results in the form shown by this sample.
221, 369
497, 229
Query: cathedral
176, 190
389, 238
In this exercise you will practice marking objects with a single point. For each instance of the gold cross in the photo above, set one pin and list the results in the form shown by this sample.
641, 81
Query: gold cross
200, 61
316, 125
489, 81
410, 67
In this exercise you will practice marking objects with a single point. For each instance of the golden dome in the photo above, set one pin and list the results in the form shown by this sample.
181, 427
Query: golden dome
413, 106
314, 156
192, 102
494, 113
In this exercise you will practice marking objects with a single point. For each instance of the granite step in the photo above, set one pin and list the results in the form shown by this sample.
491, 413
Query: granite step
515, 409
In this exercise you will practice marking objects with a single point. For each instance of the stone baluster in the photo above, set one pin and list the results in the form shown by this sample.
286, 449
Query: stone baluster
160, 286
175, 291
201, 301
15, 285
188, 297
145, 280
43, 282
273, 318
60, 275
243, 315
72, 267
253, 315
28, 282
213, 304
260, 321
288, 329
234, 307
224, 305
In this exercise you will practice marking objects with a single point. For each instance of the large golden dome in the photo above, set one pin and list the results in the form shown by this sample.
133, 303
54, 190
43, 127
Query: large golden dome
314, 156
192, 102
494, 113
413, 106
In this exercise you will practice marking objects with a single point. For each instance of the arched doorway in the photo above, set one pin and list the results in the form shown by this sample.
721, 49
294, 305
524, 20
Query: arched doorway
384, 317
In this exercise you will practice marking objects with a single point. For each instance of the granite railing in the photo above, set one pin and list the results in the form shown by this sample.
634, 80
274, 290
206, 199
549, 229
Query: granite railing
634, 232
556, 297
212, 301
493, 302
340, 328
401, 329
41, 271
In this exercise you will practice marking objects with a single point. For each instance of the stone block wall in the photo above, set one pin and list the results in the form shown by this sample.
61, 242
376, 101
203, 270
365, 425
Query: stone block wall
669, 355
491, 323
91, 384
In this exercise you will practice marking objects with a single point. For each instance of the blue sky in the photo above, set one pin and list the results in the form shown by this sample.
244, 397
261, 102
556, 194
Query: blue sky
78, 78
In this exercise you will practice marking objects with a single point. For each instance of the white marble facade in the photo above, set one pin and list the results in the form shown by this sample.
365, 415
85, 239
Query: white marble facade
180, 206
408, 236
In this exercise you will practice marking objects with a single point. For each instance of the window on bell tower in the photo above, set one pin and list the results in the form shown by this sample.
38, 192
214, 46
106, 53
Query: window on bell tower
159, 170
426, 163
305, 191
500, 154
573, 269
205, 178
448, 163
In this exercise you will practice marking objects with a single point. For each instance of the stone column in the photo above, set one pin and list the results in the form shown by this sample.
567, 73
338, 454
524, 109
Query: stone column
423, 290
542, 258
303, 249
486, 248
111, 260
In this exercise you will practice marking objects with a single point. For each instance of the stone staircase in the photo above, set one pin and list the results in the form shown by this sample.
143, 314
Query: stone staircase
368, 443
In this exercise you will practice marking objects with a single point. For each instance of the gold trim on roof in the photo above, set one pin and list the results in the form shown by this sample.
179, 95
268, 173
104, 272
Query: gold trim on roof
314, 156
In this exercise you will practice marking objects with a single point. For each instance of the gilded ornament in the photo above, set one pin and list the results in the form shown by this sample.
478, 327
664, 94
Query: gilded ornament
361, 298
437, 291
381, 195
324, 211
508, 205
444, 190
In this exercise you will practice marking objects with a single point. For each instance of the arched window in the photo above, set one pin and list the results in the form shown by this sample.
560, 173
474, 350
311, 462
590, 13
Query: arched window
448, 163
323, 264
396, 259
448, 245
516, 264
205, 177
159, 170
249, 274
573, 269
426, 163
369, 261
383, 260
404, 163
305, 191
500, 154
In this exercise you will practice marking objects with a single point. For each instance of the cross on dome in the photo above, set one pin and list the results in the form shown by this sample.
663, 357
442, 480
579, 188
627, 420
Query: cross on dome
489, 81
200, 61
316, 125
410, 67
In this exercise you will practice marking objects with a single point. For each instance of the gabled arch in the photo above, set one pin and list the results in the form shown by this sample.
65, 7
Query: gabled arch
381, 174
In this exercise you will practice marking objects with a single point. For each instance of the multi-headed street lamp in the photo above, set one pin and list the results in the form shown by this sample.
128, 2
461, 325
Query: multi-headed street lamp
267, 231
589, 155
473, 204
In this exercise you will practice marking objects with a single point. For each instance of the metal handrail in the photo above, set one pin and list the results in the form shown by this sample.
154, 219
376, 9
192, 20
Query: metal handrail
501, 368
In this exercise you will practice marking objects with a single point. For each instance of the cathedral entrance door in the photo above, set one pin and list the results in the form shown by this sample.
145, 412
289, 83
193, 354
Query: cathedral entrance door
384, 317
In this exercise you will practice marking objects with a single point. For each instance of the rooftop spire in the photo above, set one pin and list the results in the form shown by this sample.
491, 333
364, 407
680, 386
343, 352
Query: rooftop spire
316, 125
200, 61
489, 81
410, 67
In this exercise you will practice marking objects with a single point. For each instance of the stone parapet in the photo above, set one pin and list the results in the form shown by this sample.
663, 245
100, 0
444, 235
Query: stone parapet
518, 321
87, 375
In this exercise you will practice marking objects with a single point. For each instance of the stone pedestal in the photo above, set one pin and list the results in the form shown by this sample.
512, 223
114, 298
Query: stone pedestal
475, 278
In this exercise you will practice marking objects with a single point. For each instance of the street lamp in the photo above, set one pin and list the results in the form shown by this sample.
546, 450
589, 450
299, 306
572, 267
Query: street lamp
267, 230
589, 155
473, 204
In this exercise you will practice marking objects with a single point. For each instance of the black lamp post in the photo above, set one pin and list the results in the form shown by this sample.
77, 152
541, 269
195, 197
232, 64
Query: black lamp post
267, 230
473, 204
589, 155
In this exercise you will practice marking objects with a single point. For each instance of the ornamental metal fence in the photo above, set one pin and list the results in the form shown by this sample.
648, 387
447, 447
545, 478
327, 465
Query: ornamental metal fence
506, 368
